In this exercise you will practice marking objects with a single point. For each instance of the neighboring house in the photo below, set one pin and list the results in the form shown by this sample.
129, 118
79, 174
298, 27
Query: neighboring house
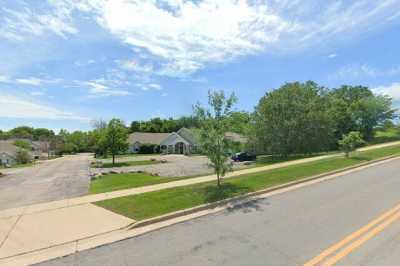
181, 142
39, 149
42, 149
7, 152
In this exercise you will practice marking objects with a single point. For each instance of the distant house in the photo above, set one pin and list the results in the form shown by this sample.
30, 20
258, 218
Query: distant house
183, 141
38, 150
7, 152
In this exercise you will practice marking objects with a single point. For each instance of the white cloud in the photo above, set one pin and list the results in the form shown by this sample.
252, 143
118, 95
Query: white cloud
15, 107
180, 37
33, 81
97, 89
30, 81
37, 93
17, 24
150, 86
331, 56
4, 79
185, 36
392, 90
361, 71
135, 66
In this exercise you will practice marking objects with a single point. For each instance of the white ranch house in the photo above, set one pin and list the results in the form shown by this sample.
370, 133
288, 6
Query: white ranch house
181, 142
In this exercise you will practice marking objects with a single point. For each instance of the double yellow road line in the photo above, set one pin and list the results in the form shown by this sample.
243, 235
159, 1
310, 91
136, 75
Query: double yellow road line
338, 251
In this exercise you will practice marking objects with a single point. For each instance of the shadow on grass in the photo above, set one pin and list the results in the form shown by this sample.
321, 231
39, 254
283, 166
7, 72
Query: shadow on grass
214, 193
360, 158
228, 190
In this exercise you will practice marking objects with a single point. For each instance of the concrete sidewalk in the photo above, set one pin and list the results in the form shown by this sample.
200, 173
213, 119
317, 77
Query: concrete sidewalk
35, 231
140, 190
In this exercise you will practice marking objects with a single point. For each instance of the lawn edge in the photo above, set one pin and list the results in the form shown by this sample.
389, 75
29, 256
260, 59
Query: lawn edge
239, 198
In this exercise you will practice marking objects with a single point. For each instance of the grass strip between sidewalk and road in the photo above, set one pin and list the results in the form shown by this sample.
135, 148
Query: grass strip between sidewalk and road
152, 204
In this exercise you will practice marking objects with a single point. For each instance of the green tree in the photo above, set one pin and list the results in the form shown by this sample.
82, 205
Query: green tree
356, 108
116, 136
293, 119
239, 122
23, 144
22, 156
214, 124
350, 142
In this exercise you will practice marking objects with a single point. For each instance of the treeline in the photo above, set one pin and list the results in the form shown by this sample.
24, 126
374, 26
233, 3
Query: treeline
239, 122
304, 118
158, 125
25, 132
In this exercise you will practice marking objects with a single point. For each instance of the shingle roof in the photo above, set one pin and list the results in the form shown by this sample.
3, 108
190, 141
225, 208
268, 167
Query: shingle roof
8, 147
149, 138
188, 135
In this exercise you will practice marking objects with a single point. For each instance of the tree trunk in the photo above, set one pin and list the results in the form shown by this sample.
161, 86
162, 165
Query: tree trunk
113, 159
218, 181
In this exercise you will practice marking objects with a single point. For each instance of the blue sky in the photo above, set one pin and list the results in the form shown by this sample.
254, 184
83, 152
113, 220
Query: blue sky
64, 63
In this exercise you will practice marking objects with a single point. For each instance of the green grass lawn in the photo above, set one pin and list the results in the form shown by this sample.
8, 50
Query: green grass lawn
157, 203
388, 135
114, 182
127, 163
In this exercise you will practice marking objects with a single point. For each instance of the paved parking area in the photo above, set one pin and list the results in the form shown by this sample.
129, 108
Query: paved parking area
56, 179
177, 165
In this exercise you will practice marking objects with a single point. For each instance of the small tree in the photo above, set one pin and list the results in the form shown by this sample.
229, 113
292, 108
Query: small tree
116, 137
22, 156
214, 124
23, 144
350, 142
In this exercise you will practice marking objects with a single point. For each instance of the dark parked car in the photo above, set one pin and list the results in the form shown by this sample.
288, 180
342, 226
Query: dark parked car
244, 156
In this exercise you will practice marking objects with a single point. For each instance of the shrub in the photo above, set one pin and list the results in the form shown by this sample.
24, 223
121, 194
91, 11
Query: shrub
147, 148
22, 156
350, 142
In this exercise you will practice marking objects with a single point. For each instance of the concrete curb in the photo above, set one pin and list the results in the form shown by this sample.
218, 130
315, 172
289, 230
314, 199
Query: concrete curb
247, 196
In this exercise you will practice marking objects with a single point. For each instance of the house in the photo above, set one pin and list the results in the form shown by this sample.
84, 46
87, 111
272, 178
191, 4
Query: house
7, 152
183, 141
180, 142
137, 139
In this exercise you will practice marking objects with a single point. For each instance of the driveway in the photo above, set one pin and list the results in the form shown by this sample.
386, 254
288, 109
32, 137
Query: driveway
285, 229
56, 179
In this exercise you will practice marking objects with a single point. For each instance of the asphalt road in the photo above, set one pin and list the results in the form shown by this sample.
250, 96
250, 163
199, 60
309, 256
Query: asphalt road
56, 179
285, 229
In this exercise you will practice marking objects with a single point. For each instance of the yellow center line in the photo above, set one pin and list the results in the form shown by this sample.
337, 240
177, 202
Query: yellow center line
343, 253
327, 252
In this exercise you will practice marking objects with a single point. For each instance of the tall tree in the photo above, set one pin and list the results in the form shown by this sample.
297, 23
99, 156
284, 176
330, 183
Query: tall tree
356, 108
116, 137
214, 124
293, 119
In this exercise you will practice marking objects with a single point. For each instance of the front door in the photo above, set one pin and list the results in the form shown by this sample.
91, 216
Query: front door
179, 148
